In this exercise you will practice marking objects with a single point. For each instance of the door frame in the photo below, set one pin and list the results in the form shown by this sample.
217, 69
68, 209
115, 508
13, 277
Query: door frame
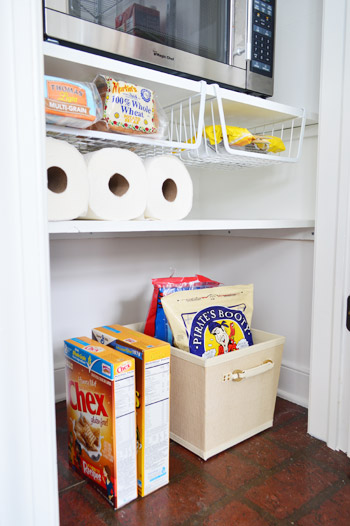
30, 486
329, 368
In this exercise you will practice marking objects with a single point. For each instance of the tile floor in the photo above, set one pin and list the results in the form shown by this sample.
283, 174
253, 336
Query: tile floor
280, 477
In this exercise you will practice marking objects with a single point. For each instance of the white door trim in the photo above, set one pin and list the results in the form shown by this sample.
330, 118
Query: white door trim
332, 228
339, 408
29, 489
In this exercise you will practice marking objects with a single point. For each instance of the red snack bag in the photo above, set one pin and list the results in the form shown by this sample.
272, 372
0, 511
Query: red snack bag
157, 323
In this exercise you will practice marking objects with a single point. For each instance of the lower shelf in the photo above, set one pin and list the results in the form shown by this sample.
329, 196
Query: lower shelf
283, 228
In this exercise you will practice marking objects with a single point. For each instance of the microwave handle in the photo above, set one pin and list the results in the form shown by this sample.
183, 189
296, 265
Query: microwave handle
231, 32
247, 31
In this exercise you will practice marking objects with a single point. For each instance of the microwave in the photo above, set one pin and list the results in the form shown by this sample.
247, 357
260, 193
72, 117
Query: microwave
228, 42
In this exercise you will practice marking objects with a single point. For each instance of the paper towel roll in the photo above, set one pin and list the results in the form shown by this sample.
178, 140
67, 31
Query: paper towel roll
169, 188
67, 182
117, 180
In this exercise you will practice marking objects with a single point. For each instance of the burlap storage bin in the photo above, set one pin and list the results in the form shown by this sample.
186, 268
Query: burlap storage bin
219, 402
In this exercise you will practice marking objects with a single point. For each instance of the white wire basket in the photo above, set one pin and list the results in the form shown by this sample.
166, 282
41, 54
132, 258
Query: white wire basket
185, 120
188, 122
289, 128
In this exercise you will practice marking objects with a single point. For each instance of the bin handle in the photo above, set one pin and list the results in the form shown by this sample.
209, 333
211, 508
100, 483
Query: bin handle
238, 374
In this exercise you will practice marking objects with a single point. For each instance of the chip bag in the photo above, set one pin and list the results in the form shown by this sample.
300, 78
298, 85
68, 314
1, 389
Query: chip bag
209, 323
268, 143
236, 136
157, 324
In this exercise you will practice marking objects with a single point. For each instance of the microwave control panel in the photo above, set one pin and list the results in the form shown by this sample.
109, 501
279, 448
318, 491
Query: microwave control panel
263, 28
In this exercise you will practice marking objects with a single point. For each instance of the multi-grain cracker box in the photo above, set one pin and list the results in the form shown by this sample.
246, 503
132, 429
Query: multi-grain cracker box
100, 388
152, 362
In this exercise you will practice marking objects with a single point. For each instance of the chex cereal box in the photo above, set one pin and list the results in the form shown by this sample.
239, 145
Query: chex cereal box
100, 389
152, 362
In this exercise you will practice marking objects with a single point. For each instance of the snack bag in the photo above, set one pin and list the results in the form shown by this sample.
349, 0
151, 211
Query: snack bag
71, 103
213, 134
129, 109
157, 324
209, 323
236, 136
268, 143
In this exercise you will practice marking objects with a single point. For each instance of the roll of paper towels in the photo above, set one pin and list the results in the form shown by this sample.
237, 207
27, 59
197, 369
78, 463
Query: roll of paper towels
169, 188
67, 181
117, 180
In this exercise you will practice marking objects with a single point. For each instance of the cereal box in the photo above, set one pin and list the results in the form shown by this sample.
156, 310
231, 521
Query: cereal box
152, 362
100, 386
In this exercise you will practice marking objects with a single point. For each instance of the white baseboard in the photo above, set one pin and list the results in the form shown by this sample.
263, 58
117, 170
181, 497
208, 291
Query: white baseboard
291, 397
60, 384
294, 384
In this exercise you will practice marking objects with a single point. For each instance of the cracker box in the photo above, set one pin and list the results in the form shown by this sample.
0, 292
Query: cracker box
152, 362
100, 388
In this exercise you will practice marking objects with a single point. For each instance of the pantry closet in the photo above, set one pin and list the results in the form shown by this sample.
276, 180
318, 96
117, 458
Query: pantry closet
250, 225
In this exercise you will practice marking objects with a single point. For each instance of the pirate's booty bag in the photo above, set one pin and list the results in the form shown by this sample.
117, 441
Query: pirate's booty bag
211, 322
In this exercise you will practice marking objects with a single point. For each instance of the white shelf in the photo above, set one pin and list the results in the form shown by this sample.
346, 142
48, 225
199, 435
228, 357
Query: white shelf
80, 65
285, 228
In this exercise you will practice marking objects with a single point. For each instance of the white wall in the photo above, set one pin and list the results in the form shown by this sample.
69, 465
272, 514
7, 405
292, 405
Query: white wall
297, 53
282, 191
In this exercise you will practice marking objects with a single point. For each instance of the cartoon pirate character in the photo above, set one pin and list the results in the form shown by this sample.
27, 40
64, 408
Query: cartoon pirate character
226, 341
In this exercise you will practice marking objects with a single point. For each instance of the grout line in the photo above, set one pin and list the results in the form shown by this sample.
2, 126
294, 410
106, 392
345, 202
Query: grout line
64, 490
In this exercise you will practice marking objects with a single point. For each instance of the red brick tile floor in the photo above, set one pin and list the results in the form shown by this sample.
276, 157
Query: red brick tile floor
281, 476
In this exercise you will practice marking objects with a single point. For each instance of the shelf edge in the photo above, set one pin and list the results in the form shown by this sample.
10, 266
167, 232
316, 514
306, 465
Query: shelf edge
78, 227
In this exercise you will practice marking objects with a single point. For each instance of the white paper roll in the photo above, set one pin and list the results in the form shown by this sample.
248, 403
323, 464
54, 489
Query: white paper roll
169, 188
117, 180
67, 182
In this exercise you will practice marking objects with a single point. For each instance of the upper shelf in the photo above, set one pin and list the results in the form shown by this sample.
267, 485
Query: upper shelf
61, 61
287, 228
71, 63
191, 106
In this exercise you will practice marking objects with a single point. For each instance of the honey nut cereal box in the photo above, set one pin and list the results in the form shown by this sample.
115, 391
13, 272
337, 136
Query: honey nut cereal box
100, 389
152, 363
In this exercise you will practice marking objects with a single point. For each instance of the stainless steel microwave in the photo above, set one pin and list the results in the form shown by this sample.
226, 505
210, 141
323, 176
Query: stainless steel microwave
229, 42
